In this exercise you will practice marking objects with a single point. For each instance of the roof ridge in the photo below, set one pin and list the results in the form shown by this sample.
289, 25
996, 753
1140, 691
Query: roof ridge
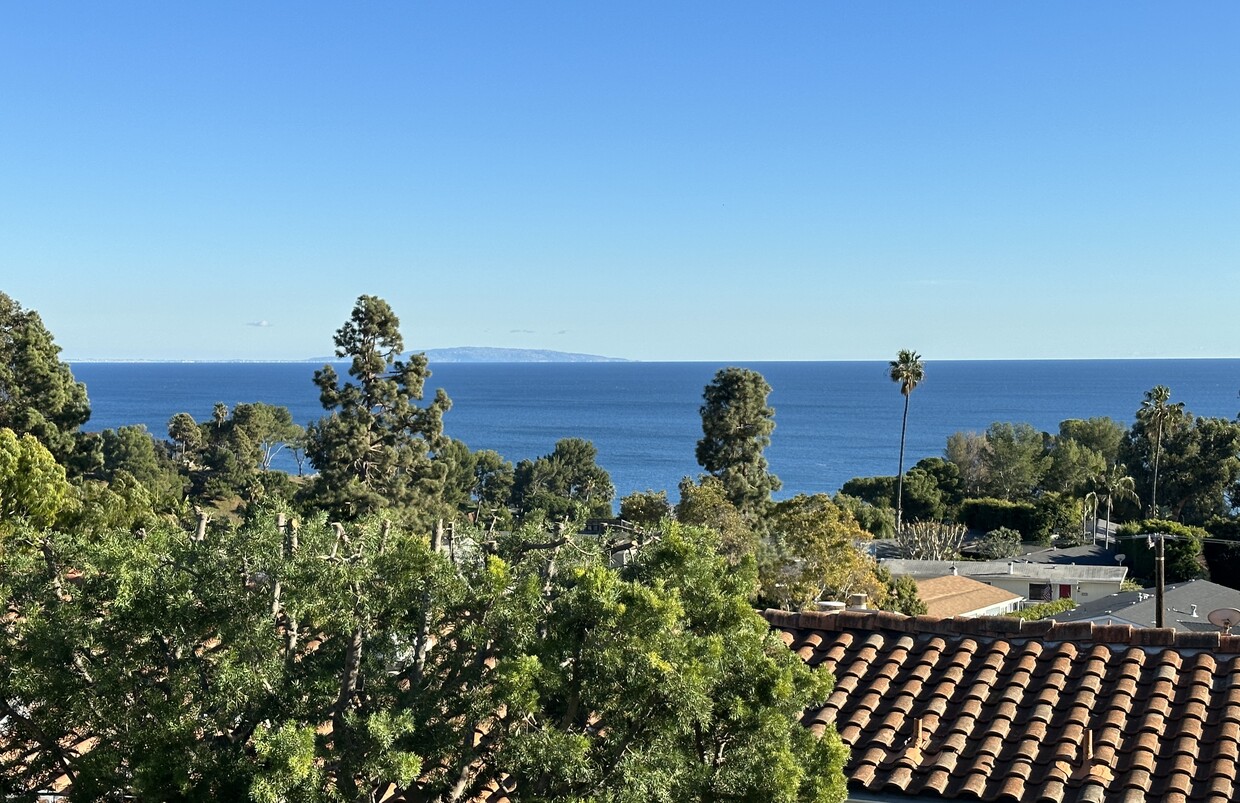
1005, 628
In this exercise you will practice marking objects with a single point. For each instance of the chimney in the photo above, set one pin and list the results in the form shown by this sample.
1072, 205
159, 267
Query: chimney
955, 571
1192, 609
858, 602
1011, 567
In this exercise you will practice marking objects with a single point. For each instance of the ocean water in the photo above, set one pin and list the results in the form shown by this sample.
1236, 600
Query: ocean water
833, 420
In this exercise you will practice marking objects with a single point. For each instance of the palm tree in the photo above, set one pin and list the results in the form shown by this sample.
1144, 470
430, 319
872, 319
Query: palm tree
1111, 486
1157, 411
908, 370
1090, 503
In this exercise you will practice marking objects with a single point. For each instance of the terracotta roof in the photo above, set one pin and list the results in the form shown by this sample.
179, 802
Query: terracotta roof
997, 709
952, 595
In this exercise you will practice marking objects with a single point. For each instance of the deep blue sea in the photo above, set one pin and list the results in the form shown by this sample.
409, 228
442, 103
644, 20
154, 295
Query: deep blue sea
833, 420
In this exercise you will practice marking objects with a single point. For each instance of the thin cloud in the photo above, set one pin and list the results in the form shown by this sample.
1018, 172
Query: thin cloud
521, 332
260, 324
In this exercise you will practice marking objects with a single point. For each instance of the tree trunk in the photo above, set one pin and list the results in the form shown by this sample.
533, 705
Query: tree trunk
900, 473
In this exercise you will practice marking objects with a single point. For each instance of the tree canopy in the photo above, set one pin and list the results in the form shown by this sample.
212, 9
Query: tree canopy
374, 449
38, 394
736, 428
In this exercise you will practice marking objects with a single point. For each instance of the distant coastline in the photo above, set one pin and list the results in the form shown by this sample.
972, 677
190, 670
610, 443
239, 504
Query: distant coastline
457, 354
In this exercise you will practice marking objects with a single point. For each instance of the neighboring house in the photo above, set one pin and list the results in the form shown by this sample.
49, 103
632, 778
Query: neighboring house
950, 596
997, 709
1187, 607
1087, 555
1037, 582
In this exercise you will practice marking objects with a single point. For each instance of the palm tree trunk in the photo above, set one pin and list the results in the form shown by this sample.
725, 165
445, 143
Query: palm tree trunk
1154, 486
900, 473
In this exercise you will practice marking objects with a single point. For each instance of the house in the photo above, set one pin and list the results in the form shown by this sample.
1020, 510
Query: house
1037, 582
950, 596
1187, 607
998, 709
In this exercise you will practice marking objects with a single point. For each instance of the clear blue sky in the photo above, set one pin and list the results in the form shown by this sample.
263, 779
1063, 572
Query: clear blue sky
680, 181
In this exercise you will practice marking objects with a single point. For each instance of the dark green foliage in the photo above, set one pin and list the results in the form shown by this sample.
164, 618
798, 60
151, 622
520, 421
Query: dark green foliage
38, 394
737, 424
1222, 553
186, 435
947, 479
133, 450
923, 501
304, 663
902, 595
373, 450
492, 488
1182, 551
877, 491
646, 509
991, 514
705, 504
1196, 461
1044, 609
1002, 542
1072, 467
1015, 461
567, 483
1056, 516
1101, 435
879, 522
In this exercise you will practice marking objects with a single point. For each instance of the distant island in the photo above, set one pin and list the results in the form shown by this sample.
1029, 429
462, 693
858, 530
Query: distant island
489, 354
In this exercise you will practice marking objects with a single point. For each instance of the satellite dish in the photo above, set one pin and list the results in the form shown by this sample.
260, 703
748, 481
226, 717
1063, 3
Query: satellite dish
1120, 557
1225, 618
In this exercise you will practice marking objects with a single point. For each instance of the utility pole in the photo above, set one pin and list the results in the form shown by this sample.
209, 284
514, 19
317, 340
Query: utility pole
1159, 565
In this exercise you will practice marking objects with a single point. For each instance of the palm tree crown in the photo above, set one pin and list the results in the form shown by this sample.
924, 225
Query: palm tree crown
908, 370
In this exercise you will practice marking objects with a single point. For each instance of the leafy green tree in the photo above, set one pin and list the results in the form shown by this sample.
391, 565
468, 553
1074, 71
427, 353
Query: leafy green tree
132, 450
907, 370
186, 434
811, 551
876, 491
1072, 466
967, 452
646, 509
312, 663
706, 504
374, 448
737, 424
458, 462
999, 543
38, 394
32, 484
947, 478
567, 483
1182, 550
267, 427
1199, 465
923, 500
492, 485
1015, 460
878, 520
902, 596
1099, 434
1056, 516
